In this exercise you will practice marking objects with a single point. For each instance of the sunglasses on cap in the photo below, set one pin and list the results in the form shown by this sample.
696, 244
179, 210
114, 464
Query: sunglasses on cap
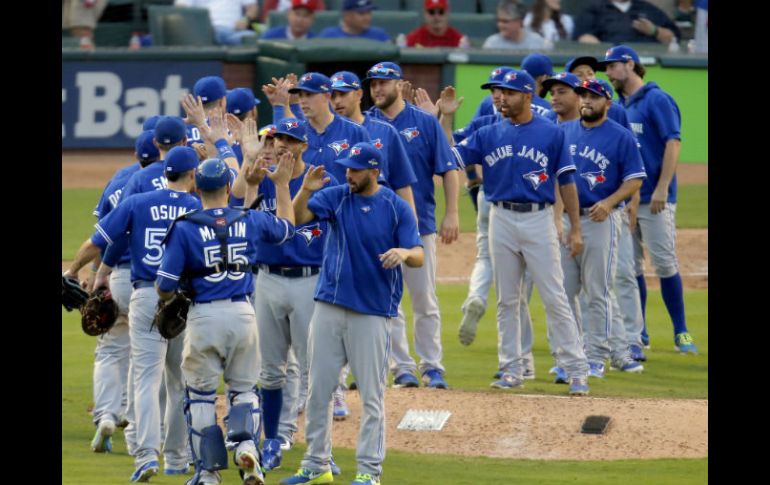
340, 83
382, 71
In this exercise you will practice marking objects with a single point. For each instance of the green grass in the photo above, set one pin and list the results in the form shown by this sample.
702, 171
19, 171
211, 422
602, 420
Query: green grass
692, 208
77, 221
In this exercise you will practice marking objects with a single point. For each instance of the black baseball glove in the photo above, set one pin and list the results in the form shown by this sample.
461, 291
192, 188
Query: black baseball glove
99, 313
171, 315
72, 295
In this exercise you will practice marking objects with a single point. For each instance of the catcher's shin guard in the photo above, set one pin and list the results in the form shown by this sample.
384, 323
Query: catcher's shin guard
244, 421
206, 440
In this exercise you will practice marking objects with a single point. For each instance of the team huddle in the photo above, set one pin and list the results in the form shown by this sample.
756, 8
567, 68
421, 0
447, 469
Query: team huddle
292, 244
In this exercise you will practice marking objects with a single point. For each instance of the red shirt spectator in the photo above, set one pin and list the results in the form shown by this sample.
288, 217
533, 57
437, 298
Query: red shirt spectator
436, 32
283, 6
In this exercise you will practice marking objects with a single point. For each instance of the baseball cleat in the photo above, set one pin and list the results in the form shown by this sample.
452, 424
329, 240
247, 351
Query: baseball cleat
498, 375
146, 471
528, 375
578, 386
341, 411
685, 344
286, 444
176, 471
433, 378
508, 381
472, 313
251, 472
561, 376
596, 369
205, 478
645, 340
271, 454
336, 470
407, 379
629, 365
637, 353
365, 479
304, 475
102, 442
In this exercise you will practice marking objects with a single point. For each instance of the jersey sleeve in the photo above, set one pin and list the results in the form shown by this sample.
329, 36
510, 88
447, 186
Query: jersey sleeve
563, 166
115, 251
406, 230
113, 226
633, 166
323, 203
131, 187
400, 171
272, 229
173, 262
468, 152
665, 115
443, 160
103, 206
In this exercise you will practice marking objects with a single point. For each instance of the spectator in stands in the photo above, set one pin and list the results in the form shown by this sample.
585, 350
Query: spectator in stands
436, 32
282, 6
624, 21
80, 17
702, 27
511, 31
301, 17
231, 19
356, 22
546, 19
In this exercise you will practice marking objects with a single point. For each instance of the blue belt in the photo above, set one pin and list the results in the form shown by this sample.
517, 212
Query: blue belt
234, 298
142, 284
521, 207
289, 271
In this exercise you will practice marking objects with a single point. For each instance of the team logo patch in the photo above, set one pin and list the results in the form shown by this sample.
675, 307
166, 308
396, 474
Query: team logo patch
291, 124
218, 212
366, 209
306, 77
594, 178
536, 178
510, 76
310, 233
174, 195
220, 221
411, 133
373, 162
496, 72
355, 151
339, 146
377, 144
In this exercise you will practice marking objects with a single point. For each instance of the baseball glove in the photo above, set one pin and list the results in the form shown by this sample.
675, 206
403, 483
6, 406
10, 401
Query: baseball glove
72, 295
171, 315
99, 313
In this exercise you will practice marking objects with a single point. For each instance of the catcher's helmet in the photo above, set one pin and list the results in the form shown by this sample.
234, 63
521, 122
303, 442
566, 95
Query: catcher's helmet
212, 174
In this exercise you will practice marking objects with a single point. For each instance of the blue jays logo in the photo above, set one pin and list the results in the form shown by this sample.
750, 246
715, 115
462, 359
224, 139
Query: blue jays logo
377, 144
594, 178
411, 133
510, 76
306, 77
355, 151
366, 209
339, 146
309, 233
536, 178
291, 124
496, 72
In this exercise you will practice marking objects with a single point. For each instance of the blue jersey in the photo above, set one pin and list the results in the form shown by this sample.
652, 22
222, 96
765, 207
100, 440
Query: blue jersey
486, 107
144, 220
335, 142
397, 170
148, 179
428, 149
618, 113
373, 33
192, 247
306, 247
520, 161
461, 134
193, 135
281, 32
360, 230
279, 112
540, 106
111, 197
655, 119
605, 157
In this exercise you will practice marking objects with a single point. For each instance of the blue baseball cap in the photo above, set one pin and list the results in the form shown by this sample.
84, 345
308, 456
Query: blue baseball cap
180, 159
384, 70
362, 155
589, 61
607, 87
595, 86
210, 88
518, 81
537, 65
149, 123
564, 78
358, 5
145, 148
241, 100
170, 129
345, 81
212, 174
618, 53
292, 127
496, 76
312, 82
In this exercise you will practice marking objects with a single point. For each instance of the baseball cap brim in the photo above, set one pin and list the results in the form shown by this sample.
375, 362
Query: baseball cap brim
601, 66
297, 89
347, 162
345, 89
548, 83
589, 61
288, 133
490, 84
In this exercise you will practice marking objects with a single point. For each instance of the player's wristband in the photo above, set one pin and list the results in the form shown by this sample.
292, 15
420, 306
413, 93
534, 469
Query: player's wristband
223, 148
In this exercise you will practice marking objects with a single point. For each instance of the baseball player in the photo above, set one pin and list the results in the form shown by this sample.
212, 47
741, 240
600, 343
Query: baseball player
610, 170
521, 157
143, 219
586, 67
655, 119
329, 135
213, 250
372, 231
111, 359
540, 67
428, 150
242, 104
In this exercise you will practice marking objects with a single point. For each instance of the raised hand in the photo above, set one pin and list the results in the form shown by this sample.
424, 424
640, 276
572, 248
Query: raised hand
407, 91
315, 179
283, 171
235, 126
422, 100
251, 143
193, 108
448, 103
